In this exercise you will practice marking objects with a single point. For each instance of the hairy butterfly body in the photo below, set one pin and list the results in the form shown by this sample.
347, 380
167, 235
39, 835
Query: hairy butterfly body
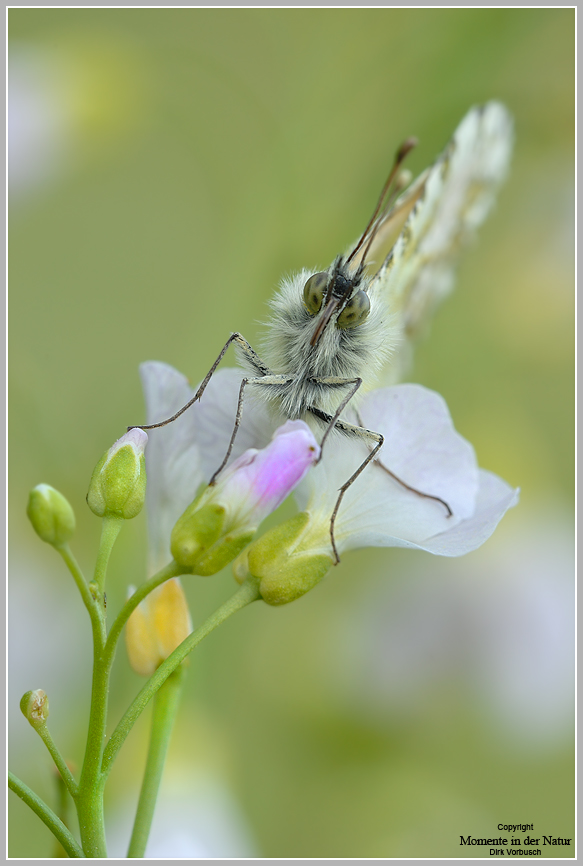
353, 325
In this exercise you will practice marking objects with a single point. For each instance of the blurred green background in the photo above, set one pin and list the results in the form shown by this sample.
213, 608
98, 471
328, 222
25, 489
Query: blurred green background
167, 166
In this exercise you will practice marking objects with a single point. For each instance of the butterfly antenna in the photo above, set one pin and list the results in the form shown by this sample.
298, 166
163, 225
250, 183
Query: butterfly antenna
375, 221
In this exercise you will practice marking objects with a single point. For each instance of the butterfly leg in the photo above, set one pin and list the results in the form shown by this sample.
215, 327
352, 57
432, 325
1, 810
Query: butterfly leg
333, 421
250, 355
404, 483
334, 382
267, 381
363, 433
359, 432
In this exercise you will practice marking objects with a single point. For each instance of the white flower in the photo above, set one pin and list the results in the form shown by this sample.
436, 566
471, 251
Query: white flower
173, 459
218, 523
222, 521
421, 448
258, 481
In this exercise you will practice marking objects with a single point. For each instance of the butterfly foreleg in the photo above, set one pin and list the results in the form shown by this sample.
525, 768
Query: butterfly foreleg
332, 382
250, 355
408, 486
361, 433
334, 422
267, 380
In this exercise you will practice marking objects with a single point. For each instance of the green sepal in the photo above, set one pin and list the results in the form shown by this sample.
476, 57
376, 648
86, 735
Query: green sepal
222, 553
95, 497
119, 473
200, 541
118, 484
285, 572
196, 531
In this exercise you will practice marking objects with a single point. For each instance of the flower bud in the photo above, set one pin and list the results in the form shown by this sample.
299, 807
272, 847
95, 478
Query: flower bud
284, 561
118, 483
51, 515
216, 527
157, 626
35, 707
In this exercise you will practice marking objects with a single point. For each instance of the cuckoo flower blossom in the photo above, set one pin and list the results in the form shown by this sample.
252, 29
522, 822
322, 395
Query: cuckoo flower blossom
259, 480
425, 452
421, 448
203, 533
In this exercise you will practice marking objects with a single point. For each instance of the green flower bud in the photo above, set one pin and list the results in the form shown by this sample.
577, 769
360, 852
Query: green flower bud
51, 515
118, 483
201, 541
284, 562
35, 707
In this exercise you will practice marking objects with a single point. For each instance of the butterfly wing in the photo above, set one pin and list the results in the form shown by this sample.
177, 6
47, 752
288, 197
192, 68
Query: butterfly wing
433, 220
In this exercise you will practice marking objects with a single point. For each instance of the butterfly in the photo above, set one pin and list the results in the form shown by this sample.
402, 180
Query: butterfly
337, 333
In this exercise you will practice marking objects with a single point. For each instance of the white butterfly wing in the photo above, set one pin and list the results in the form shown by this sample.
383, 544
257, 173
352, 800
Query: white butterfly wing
439, 214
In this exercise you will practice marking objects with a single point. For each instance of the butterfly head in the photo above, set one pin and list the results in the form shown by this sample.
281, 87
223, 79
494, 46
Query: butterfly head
336, 296
339, 295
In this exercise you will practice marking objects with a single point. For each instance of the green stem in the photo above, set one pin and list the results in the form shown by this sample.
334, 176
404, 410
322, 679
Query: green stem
79, 578
90, 793
165, 708
171, 570
47, 816
60, 763
110, 528
91, 821
247, 592
64, 801
89, 799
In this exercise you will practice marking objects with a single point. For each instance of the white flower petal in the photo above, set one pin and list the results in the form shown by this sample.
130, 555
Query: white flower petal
257, 482
216, 420
421, 444
187, 452
423, 449
173, 462
495, 497
376, 510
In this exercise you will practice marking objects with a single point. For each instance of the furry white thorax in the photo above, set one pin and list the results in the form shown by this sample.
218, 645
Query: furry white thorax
410, 264
348, 353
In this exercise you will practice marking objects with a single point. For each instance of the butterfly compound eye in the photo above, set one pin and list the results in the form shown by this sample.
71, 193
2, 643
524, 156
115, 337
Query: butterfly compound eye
314, 292
355, 311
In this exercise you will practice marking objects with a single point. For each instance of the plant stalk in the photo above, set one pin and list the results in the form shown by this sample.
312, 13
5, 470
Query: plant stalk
164, 713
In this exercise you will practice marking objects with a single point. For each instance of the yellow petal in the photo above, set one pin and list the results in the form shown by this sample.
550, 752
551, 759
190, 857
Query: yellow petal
170, 617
